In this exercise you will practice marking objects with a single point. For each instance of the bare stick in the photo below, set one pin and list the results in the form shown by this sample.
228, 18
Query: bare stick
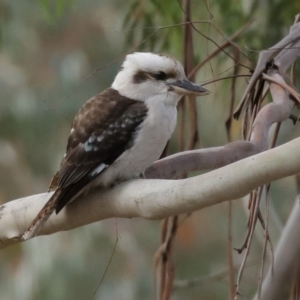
277, 284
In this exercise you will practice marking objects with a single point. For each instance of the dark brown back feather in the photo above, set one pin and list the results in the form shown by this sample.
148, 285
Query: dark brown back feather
102, 130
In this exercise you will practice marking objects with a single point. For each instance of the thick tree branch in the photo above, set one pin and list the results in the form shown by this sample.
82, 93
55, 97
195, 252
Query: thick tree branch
154, 199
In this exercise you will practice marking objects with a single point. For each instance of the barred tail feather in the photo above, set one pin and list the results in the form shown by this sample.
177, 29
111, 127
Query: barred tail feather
42, 216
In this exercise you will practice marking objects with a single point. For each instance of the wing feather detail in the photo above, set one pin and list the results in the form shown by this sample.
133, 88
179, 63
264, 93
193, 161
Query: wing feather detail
102, 130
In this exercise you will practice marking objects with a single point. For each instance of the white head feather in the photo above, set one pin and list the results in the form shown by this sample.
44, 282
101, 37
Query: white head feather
136, 79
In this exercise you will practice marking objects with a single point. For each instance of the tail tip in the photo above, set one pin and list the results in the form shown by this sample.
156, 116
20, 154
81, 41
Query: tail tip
27, 235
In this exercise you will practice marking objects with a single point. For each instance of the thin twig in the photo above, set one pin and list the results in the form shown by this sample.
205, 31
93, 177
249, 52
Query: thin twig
107, 266
240, 273
104, 67
261, 275
292, 91
225, 44
198, 281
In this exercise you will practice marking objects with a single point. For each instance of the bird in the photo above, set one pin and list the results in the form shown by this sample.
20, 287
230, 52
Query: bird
120, 132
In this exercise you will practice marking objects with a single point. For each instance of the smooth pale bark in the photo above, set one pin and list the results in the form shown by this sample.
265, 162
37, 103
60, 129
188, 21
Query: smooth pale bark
278, 282
153, 198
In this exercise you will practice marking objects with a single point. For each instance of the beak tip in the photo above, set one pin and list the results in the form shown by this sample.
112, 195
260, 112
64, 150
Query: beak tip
207, 92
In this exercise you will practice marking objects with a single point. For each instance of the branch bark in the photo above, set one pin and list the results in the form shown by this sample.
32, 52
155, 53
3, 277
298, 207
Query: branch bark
154, 199
278, 282
181, 163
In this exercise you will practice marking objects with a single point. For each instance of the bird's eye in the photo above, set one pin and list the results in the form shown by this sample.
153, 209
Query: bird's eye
161, 76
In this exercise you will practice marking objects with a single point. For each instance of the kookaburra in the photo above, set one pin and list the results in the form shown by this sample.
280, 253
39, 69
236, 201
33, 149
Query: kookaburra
117, 134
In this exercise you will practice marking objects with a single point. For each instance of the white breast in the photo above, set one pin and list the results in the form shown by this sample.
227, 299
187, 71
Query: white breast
150, 141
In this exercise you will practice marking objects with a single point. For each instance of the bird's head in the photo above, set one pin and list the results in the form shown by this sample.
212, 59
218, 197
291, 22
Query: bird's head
145, 75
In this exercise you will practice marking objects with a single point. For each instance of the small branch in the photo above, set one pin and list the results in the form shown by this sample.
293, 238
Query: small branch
203, 159
284, 85
283, 58
198, 281
278, 282
215, 52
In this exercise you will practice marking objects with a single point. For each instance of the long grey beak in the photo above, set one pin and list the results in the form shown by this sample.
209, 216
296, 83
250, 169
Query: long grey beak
186, 87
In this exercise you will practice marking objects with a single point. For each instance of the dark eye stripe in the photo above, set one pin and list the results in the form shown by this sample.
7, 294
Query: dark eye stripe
161, 76
142, 76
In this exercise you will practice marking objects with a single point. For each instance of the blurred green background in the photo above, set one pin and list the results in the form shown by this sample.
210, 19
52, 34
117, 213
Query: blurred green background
47, 50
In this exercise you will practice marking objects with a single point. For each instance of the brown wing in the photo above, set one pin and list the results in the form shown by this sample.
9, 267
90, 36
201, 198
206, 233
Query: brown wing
102, 130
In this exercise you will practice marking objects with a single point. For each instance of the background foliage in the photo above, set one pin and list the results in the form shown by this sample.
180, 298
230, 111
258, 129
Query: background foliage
47, 49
